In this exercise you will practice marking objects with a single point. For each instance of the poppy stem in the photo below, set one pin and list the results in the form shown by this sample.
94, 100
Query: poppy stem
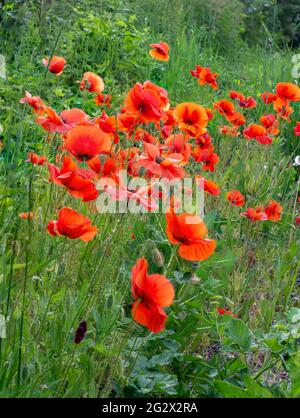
28, 240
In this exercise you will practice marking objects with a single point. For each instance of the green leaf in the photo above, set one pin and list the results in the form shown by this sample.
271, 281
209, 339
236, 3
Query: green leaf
256, 389
238, 331
230, 391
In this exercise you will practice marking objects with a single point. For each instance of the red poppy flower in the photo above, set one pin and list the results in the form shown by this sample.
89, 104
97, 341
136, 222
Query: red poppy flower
255, 214
203, 141
297, 129
146, 102
85, 142
160, 51
125, 122
283, 109
168, 118
74, 116
297, 220
191, 118
273, 211
288, 92
151, 294
242, 100
34, 101
237, 119
103, 100
159, 165
78, 182
162, 94
205, 76
36, 159
92, 83
210, 113
178, 144
207, 156
236, 198
270, 123
144, 136
26, 215
258, 132
225, 108
209, 186
190, 232
72, 225
56, 64
226, 311
50, 121
268, 97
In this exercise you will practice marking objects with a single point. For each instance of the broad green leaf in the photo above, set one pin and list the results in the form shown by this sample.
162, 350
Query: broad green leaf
238, 331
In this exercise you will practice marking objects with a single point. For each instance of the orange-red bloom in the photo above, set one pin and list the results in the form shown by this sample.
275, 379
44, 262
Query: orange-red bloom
178, 144
151, 293
209, 186
74, 116
242, 100
288, 92
270, 123
257, 214
78, 181
268, 97
103, 100
283, 109
236, 198
297, 220
207, 156
146, 102
297, 129
92, 83
190, 232
159, 165
72, 225
50, 121
273, 211
26, 215
191, 118
226, 311
34, 101
56, 64
85, 142
36, 159
258, 132
237, 119
225, 108
160, 51
205, 76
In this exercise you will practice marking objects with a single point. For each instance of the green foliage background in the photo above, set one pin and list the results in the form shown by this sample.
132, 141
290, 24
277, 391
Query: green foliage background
47, 286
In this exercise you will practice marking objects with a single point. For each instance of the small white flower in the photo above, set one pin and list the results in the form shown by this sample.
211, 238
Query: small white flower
297, 161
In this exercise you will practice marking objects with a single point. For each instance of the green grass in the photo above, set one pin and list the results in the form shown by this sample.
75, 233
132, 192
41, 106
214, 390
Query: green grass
48, 285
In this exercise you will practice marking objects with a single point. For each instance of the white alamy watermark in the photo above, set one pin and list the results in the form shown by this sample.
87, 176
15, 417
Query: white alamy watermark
2, 67
296, 66
139, 195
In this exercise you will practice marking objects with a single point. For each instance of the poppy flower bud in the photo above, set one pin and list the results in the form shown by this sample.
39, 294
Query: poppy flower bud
157, 257
80, 332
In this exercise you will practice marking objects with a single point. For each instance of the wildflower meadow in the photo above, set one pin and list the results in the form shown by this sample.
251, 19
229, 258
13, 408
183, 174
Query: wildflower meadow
150, 202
